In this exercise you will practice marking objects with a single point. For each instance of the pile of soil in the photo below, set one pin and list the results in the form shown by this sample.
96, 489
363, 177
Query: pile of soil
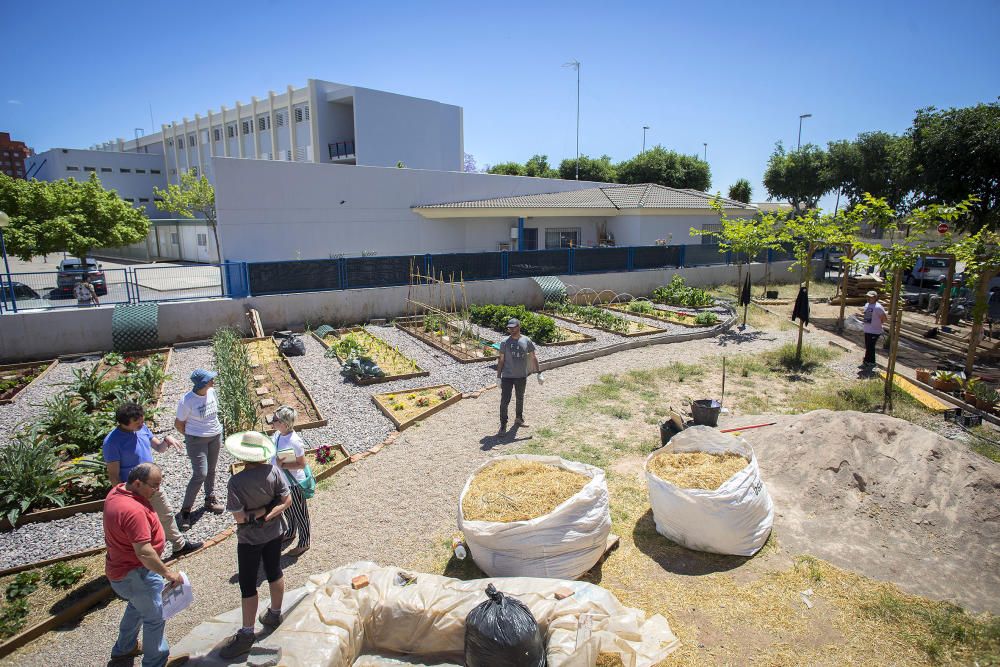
886, 498
696, 470
515, 490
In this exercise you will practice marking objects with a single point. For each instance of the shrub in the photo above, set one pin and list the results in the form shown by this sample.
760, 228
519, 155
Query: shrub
539, 328
30, 475
677, 293
706, 319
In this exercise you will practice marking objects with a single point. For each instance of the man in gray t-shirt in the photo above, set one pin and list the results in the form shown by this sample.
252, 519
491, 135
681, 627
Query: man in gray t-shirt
516, 361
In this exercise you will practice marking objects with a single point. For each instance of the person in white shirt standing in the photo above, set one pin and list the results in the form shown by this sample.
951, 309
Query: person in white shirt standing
874, 317
290, 457
198, 421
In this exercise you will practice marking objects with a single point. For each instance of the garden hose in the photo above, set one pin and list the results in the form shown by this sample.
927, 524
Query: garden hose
134, 327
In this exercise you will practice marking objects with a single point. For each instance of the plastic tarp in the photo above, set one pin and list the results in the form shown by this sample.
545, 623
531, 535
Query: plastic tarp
734, 519
391, 622
563, 544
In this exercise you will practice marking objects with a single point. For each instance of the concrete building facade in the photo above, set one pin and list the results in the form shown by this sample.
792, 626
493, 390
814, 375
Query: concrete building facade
12, 156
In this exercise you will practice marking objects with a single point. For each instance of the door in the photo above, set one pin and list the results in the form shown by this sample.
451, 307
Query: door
530, 238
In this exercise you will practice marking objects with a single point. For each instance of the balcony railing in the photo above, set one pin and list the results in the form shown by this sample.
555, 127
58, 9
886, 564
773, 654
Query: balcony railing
341, 149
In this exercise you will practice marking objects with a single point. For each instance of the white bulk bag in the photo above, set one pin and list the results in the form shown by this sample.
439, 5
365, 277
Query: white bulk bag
562, 544
734, 519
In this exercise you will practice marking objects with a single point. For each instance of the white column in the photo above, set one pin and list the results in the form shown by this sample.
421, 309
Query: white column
314, 122
211, 135
239, 127
166, 162
225, 130
274, 125
177, 159
197, 143
256, 130
291, 122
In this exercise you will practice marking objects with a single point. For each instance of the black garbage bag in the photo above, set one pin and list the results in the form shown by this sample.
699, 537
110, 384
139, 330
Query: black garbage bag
292, 346
501, 632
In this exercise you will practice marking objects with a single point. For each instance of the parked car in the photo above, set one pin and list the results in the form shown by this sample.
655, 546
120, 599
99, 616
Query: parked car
71, 271
928, 270
21, 292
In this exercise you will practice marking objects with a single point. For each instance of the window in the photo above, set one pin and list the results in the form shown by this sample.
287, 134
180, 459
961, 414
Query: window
247, 127
157, 198
71, 168
175, 238
180, 142
216, 134
279, 118
154, 171
230, 131
143, 200
203, 240
140, 171
264, 123
106, 170
129, 200
301, 113
124, 170
192, 142
89, 169
707, 239
562, 238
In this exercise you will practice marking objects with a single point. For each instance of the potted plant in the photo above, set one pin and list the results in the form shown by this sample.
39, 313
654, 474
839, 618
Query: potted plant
945, 381
969, 390
986, 396
924, 375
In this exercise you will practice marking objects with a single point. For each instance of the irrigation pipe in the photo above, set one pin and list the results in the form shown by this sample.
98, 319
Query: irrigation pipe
976, 435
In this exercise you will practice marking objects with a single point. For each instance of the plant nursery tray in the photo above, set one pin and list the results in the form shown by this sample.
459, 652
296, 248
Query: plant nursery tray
409, 416
415, 327
374, 380
631, 334
320, 471
16, 369
53, 513
680, 321
303, 401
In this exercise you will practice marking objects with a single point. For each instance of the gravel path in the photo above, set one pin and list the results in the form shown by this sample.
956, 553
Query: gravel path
28, 404
38, 541
390, 508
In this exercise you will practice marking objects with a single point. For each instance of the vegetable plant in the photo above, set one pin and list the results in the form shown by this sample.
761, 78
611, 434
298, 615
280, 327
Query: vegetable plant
237, 404
539, 328
24, 584
31, 475
13, 617
677, 293
706, 319
592, 315
64, 576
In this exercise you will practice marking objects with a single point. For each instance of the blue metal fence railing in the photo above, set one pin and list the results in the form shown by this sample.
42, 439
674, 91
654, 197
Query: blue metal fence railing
51, 289
177, 283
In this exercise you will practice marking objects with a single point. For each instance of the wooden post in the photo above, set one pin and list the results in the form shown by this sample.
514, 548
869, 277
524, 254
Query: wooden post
945, 306
895, 320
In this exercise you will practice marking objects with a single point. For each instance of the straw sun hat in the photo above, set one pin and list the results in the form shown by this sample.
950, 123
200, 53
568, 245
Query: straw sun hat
250, 447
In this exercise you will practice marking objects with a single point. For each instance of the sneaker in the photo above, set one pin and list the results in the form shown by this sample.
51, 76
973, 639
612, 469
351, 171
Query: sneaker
126, 658
188, 547
240, 643
520, 422
297, 551
213, 505
270, 618
185, 522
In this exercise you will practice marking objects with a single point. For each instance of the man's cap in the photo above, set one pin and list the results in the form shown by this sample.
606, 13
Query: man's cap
201, 377
872, 293
513, 322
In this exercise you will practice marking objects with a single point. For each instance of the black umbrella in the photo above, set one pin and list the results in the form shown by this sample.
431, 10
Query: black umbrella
745, 297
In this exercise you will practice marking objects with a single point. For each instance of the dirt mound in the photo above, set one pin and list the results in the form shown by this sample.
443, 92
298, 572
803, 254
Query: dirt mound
886, 498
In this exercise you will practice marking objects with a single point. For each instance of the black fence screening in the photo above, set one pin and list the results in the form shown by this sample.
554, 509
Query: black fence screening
468, 266
656, 257
529, 263
300, 276
382, 271
599, 260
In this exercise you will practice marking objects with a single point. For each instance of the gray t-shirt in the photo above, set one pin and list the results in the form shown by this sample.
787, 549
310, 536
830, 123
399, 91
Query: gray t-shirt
515, 356
254, 488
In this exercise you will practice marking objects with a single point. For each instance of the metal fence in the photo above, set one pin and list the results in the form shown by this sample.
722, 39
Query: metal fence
44, 290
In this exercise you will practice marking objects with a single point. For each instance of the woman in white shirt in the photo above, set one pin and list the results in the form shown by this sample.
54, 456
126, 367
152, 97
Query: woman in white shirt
293, 463
198, 421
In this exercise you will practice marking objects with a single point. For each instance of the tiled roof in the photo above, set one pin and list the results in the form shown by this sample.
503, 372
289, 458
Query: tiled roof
646, 195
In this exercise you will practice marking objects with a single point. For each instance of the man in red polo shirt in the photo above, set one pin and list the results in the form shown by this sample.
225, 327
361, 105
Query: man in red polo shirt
135, 540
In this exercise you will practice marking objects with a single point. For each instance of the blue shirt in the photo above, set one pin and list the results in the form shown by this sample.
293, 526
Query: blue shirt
128, 448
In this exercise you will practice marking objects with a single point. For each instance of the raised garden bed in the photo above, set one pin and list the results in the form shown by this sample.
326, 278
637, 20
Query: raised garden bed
568, 337
15, 378
395, 364
464, 350
116, 365
49, 596
51, 514
274, 383
542, 329
405, 408
669, 316
634, 328
336, 457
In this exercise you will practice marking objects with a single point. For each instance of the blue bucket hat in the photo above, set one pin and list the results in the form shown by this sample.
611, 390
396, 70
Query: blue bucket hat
201, 377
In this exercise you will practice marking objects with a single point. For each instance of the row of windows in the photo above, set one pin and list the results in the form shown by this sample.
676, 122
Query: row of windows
142, 200
18, 153
108, 170
246, 127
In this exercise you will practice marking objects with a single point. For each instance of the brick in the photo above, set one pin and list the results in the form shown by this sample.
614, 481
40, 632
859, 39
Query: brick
359, 582
266, 403
261, 390
259, 378
562, 593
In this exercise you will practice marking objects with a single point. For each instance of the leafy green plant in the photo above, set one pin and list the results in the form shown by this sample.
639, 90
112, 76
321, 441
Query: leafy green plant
677, 293
985, 393
70, 429
64, 576
24, 584
92, 387
113, 359
640, 307
539, 328
31, 475
237, 405
706, 319
13, 617
141, 382
601, 318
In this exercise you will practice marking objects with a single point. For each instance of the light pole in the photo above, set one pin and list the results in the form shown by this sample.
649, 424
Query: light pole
705, 144
4, 222
575, 64
805, 115
644, 128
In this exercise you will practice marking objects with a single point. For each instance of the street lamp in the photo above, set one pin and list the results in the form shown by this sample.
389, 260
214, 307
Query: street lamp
805, 115
644, 128
4, 222
705, 144
575, 64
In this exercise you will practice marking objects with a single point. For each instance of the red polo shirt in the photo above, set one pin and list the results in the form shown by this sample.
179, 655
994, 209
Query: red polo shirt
128, 519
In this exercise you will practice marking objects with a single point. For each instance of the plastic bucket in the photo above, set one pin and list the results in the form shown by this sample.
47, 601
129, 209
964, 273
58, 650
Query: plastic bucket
668, 429
706, 412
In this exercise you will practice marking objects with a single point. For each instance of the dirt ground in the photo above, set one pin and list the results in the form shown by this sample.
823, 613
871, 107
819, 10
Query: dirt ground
782, 607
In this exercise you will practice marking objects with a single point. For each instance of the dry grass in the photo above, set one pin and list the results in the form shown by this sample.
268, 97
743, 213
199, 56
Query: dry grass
696, 470
514, 490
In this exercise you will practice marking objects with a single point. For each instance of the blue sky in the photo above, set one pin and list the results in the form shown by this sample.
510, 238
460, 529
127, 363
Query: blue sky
734, 75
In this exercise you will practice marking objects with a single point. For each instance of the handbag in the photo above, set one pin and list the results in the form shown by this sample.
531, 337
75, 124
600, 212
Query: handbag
308, 485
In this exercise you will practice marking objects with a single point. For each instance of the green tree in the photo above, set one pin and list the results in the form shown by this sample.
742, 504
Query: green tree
741, 191
877, 163
799, 177
507, 169
957, 155
194, 197
981, 254
67, 216
669, 168
538, 166
591, 169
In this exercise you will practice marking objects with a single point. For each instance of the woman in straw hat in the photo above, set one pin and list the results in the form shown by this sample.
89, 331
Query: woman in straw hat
258, 495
